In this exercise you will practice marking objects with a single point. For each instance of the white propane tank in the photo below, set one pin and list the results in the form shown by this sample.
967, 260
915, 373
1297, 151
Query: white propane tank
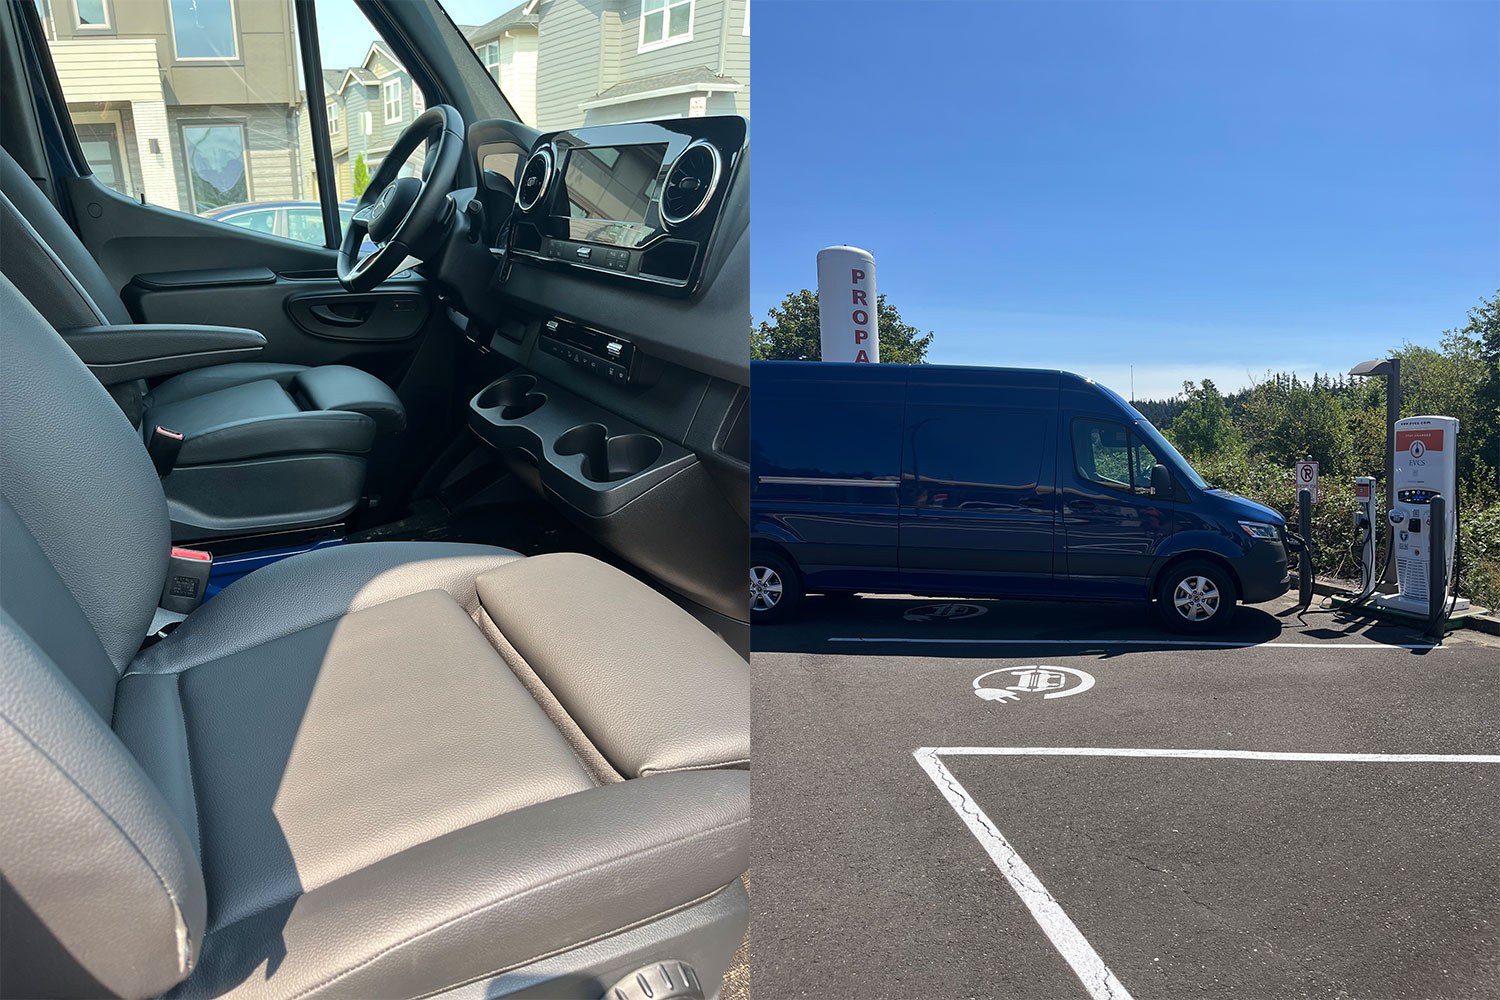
846, 305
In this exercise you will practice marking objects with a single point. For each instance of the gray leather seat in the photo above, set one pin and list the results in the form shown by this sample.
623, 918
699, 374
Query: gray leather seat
268, 446
377, 770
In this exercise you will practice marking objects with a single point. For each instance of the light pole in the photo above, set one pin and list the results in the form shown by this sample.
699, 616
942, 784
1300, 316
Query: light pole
1391, 369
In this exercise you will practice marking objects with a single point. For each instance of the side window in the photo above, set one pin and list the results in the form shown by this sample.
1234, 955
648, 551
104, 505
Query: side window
201, 106
372, 97
872, 453
1101, 452
191, 105
1112, 455
1143, 460
979, 450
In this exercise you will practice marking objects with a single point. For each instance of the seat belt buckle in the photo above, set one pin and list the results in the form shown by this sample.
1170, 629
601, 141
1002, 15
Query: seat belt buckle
164, 446
187, 579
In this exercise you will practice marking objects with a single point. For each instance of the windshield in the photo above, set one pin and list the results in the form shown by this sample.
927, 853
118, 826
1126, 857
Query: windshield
1164, 448
565, 65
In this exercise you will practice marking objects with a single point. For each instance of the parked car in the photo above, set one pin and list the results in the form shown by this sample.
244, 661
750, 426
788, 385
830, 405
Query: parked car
989, 482
294, 220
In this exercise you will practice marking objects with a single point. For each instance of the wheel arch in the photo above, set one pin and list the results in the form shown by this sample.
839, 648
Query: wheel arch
1191, 555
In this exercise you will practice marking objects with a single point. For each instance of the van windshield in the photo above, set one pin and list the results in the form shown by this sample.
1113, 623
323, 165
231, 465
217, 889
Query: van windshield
1163, 447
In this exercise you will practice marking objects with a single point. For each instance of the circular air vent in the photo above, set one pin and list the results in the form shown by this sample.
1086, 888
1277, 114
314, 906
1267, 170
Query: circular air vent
535, 177
690, 183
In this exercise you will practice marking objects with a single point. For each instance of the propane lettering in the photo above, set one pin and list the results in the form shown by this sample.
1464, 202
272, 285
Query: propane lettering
849, 333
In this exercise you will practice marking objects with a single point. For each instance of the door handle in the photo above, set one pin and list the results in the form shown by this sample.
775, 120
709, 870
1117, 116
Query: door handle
1080, 505
326, 314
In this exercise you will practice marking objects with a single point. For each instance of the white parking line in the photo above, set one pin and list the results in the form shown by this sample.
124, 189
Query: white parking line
1212, 644
1065, 936
1048, 913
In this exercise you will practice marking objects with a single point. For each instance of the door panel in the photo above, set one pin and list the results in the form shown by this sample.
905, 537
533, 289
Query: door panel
1112, 526
977, 501
826, 456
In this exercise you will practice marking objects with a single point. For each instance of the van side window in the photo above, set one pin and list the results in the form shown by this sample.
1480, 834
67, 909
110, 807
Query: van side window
1112, 455
999, 449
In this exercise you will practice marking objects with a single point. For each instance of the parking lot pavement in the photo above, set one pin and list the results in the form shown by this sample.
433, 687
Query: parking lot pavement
1184, 876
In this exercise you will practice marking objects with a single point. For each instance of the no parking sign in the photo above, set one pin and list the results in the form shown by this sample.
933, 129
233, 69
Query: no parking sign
1307, 478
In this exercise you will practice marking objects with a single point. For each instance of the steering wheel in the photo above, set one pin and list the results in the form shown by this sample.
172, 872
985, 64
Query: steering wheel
400, 214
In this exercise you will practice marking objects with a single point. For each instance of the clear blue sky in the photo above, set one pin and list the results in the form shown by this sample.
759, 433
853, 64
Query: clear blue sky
1198, 189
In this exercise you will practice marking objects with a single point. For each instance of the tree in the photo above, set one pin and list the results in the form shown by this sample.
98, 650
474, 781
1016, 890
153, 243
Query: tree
1483, 330
1203, 427
790, 333
361, 175
1284, 419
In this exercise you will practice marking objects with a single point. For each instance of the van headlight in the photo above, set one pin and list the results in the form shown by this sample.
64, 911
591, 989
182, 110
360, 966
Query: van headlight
1259, 529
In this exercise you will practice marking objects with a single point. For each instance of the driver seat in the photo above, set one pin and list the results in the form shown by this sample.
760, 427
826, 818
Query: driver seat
266, 447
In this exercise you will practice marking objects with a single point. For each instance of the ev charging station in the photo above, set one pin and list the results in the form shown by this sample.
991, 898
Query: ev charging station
1424, 484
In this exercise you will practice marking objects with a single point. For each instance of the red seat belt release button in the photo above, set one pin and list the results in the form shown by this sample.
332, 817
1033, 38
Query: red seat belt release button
187, 579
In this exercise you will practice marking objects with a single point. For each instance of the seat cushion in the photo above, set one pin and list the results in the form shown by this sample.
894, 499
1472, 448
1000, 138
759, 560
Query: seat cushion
654, 690
380, 804
206, 380
289, 740
257, 420
339, 387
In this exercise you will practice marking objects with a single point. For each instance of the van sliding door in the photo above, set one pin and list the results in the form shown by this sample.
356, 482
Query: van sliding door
977, 503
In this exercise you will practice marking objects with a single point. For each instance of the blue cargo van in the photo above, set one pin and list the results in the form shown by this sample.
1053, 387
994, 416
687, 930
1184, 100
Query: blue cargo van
993, 482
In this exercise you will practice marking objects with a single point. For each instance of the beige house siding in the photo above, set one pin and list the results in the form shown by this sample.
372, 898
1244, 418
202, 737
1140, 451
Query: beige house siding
588, 46
518, 55
567, 70
702, 50
737, 58
116, 81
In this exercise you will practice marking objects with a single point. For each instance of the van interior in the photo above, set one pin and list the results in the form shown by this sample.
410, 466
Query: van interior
373, 609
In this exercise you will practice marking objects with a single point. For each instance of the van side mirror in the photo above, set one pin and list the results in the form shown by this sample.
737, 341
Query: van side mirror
1161, 481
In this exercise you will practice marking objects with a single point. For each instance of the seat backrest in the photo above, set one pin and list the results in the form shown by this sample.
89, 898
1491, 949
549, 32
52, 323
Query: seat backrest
44, 258
76, 474
102, 891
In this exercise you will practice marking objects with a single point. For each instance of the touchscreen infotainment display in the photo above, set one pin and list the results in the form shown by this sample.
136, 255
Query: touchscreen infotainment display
612, 183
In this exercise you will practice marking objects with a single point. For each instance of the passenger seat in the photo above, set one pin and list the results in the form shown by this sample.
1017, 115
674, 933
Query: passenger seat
375, 770
266, 446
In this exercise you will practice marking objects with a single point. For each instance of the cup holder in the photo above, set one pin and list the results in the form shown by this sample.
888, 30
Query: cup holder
512, 396
609, 458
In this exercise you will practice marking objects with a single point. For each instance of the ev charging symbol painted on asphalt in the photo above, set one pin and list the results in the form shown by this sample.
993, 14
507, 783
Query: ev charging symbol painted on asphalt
1051, 682
944, 612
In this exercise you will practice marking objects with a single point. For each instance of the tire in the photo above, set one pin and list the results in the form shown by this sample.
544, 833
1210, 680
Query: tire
775, 588
1196, 597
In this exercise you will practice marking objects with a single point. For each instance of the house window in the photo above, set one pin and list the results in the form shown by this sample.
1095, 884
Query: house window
665, 22
92, 13
203, 29
390, 91
489, 54
369, 123
216, 165
333, 118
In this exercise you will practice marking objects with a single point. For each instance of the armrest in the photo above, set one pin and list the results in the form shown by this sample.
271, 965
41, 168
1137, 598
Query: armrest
147, 350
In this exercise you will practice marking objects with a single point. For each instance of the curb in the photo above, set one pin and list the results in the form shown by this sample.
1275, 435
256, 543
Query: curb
1489, 624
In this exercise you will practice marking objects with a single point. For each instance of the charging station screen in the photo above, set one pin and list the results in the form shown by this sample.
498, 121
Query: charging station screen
613, 183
